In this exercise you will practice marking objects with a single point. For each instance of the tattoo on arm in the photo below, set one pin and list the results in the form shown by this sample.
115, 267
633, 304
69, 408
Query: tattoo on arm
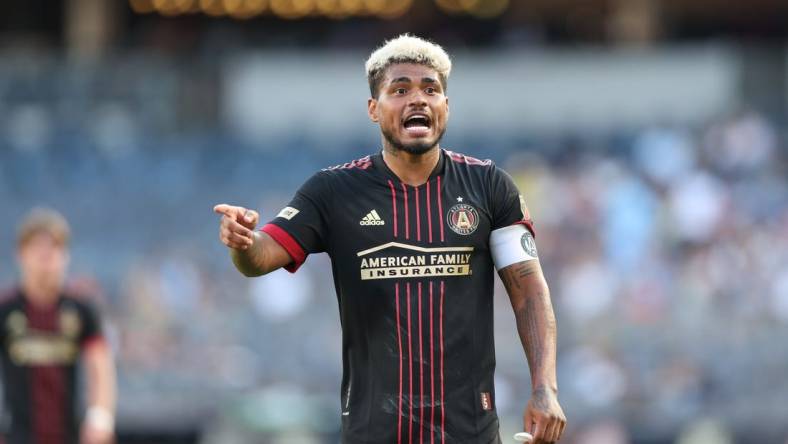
539, 398
526, 269
512, 275
535, 318
531, 329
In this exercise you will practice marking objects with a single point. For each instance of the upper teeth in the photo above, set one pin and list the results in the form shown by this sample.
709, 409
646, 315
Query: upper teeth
417, 116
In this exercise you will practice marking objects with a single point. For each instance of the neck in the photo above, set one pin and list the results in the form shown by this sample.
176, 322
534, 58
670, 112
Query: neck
40, 291
412, 169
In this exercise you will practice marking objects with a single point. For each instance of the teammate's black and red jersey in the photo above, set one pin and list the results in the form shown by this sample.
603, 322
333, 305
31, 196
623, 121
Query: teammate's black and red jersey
40, 349
414, 281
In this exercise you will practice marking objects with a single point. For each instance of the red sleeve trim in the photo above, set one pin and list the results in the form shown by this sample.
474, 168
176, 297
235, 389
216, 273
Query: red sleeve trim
287, 242
528, 224
92, 341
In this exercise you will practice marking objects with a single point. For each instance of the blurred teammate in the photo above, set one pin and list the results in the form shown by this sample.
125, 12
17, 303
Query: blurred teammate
413, 233
44, 331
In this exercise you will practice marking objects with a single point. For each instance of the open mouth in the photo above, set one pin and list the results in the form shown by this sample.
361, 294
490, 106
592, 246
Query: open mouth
417, 124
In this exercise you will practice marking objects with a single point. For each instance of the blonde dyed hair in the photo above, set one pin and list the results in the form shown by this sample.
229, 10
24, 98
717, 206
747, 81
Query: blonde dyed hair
406, 49
43, 220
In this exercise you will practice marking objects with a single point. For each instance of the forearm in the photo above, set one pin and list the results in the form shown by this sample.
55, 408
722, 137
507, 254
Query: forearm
101, 396
101, 384
252, 261
536, 324
537, 330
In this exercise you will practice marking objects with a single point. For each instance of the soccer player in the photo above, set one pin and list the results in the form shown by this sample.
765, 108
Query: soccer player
413, 233
44, 331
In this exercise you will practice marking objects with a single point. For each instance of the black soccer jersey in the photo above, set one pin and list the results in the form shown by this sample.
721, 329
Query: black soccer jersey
40, 348
414, 281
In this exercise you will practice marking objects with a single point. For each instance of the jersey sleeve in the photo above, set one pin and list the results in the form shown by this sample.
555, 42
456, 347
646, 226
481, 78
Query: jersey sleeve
508, 205
301, 227
91, 325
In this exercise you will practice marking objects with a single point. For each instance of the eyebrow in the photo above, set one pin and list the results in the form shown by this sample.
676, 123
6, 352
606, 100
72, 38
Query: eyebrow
407, 80
401, 80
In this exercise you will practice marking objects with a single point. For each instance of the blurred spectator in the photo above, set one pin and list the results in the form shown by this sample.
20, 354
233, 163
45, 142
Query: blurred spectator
705, 431
278, 297
607, 432
664, 154
47, 331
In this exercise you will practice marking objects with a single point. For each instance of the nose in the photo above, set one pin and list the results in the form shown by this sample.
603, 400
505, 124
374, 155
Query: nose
417, 99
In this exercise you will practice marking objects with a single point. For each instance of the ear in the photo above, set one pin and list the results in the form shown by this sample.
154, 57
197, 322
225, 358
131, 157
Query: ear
372, 109
447, 107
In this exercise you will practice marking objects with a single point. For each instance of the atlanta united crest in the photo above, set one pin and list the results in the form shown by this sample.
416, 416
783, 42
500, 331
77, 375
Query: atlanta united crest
463, 219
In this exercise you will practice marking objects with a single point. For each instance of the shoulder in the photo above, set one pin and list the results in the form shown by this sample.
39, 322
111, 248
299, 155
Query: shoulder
481, 168
464, 159
9, 297
354, 166
323, 184
323, 181
80, 302
484, 170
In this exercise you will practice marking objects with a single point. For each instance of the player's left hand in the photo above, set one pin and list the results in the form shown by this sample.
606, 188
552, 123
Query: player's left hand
543, 417
94, 435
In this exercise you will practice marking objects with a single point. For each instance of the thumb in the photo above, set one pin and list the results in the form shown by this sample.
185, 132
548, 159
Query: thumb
248, 218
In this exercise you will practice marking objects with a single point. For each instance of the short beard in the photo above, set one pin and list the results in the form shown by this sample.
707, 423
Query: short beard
414, 148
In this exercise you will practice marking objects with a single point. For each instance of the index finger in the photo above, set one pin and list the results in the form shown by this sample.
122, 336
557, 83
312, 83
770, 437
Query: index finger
225, 209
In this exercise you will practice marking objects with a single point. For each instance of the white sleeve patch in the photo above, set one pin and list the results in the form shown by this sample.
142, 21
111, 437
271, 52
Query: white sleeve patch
287, 213
512, 244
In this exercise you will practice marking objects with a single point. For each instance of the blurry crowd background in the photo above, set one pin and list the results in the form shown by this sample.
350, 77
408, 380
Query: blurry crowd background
662, 232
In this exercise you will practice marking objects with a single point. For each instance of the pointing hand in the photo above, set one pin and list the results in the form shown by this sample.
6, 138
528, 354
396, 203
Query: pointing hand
237, 226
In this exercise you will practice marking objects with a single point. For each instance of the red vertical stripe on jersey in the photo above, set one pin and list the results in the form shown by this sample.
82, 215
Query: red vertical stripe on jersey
48, 398
394, 205
418, 216
432, 374
443, 412
421, 374
47, 385
407, 222
399, 346
429, 213
410, 373
440, 206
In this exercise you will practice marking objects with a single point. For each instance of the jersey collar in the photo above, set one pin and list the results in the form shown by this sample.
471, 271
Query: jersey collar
380, 164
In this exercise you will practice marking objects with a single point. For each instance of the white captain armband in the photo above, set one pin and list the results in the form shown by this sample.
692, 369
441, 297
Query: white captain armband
512, 244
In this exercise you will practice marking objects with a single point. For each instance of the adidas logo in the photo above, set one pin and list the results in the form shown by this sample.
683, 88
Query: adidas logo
372, 218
